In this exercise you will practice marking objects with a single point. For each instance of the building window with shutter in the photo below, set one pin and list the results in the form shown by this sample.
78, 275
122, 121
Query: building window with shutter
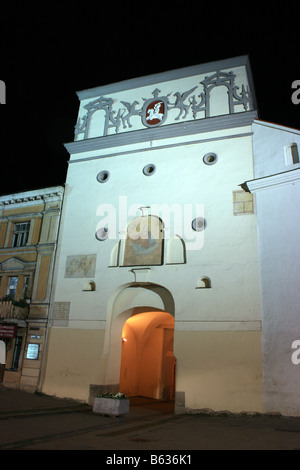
20, 234
12, 286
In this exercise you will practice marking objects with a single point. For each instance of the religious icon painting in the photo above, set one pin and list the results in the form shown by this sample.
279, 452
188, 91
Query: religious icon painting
144, 243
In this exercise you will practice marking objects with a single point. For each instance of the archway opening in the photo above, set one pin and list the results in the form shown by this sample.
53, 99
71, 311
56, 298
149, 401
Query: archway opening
148, 363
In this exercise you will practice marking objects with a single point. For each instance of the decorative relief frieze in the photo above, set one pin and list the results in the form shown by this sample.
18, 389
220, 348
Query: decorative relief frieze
194, 103
222, 79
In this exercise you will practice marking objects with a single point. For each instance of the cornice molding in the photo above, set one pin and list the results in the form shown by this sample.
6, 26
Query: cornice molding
266, 182
34, 197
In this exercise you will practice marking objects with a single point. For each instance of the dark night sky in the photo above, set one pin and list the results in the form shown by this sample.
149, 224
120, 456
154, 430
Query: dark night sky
49, 52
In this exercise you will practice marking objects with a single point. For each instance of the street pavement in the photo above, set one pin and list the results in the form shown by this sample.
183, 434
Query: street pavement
39, 422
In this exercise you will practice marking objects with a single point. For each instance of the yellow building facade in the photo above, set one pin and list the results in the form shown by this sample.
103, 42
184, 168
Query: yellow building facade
29, 223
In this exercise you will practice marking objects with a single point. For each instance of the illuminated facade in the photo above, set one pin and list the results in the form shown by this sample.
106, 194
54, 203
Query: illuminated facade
176, 273
29, 224
157, 287
276, 186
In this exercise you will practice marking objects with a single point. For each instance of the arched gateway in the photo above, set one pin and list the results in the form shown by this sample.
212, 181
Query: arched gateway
138, 354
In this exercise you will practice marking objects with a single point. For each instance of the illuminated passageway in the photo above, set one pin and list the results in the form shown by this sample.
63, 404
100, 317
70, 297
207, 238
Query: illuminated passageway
148, 362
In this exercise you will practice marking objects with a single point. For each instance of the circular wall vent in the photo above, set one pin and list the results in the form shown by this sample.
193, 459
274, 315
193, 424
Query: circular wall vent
102, 234
199, 224
210, 158
103, 176
149, 169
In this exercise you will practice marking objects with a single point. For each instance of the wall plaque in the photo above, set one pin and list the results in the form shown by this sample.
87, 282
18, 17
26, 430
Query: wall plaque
32, 351
80, 266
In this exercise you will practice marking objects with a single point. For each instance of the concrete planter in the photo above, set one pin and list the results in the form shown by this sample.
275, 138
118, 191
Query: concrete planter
111, 406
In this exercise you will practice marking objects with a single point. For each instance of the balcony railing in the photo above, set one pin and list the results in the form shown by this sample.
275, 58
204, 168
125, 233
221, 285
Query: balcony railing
9, 310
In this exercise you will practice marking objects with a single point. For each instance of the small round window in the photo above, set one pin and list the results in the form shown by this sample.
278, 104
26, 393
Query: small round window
199, 224
149, 170
210, 159
103, 176
101, 234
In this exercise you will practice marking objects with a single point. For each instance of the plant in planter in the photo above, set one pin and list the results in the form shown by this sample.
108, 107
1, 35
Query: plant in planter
112, 404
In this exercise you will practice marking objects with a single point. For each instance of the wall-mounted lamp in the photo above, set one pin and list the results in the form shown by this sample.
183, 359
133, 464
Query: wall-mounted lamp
124, 340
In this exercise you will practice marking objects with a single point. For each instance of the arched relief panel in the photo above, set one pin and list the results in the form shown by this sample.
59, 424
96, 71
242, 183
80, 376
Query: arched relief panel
242, 99
219, 101
96, 123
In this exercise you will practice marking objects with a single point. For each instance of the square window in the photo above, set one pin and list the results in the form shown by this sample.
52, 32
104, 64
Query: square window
20, 235
12, 286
